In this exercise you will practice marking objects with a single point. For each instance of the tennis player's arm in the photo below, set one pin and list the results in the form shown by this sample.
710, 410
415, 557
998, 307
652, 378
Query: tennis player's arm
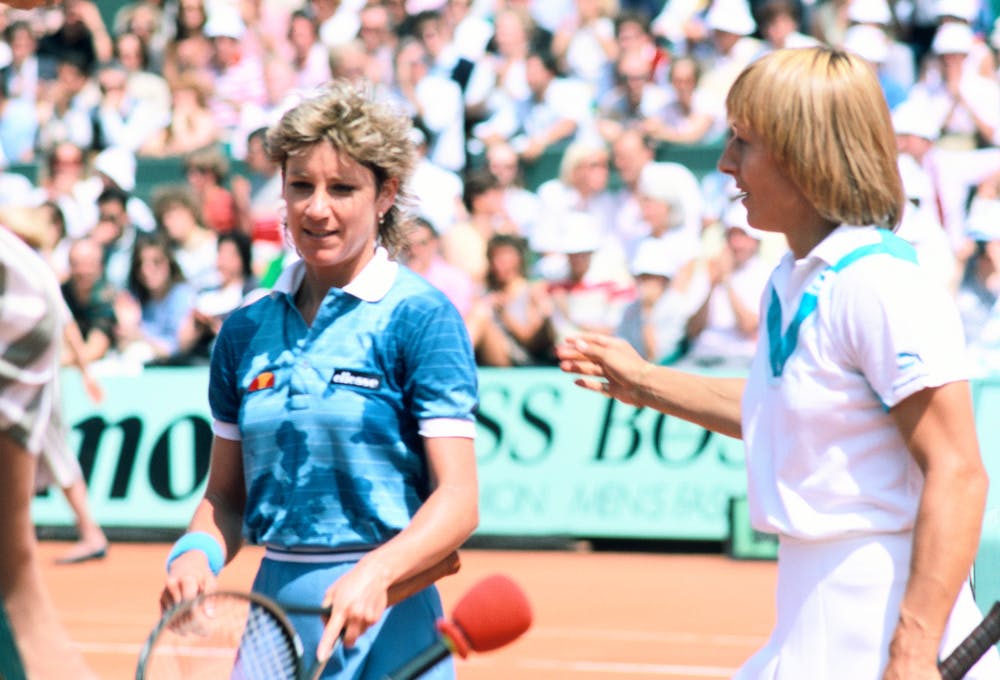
219, 514
440, 526
444, 521
939, 429
220, 511
613, 368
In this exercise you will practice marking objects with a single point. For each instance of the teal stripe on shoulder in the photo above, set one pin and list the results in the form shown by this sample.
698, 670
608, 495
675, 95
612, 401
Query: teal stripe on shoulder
889, 244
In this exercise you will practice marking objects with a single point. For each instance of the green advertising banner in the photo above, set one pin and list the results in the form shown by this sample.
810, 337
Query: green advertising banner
554, 459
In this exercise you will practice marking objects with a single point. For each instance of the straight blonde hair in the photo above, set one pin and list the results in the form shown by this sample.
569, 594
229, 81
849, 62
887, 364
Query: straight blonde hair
823, 117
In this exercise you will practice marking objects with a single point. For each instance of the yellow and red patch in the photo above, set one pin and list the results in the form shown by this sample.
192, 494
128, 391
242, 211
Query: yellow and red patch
262, 382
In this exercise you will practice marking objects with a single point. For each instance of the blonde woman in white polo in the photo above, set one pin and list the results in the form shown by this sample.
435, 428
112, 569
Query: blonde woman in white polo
856, 413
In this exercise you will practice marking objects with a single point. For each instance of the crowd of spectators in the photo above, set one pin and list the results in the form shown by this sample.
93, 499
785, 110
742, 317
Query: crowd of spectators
619, 239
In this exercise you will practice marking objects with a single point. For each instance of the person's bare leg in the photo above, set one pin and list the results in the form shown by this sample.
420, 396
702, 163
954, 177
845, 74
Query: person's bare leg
44, 645
93, 544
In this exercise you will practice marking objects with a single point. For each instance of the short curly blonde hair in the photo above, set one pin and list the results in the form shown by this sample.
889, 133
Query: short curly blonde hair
372, 132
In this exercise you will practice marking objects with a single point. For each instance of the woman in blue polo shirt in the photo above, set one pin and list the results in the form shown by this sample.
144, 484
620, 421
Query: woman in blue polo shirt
856, 411
343, 404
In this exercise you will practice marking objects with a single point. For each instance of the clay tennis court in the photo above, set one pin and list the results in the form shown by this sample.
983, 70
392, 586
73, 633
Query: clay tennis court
608, 615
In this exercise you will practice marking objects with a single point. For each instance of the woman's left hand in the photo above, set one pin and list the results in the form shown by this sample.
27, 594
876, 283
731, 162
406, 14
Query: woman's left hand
357, 601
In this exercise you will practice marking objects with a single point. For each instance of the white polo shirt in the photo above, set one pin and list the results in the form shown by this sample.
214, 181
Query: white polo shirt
824, 456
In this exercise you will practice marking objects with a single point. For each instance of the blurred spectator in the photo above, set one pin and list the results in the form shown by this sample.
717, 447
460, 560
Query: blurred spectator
733, 48
267, 35
436, 100
238, 78
77, 190
981, 59
82, 36
18, 127
510, 325
164, 299
55, 243
554, 112
65, 111
654, 323
310, 58
91, 298
351, 62
338, 20
966, 103
16, 189
116, 234
871, 43
192, 55
195, 246
631, 152
258, 199
681, 24
899, 61
632, 100
828, 21
437, 192
142, 85
236, 286
190, 48
464, 245
23, 74
122, 120
207, 170
475, 81
977, 299
582, 186
920, 226
378, 36
584, 301
722, 332
779, 22
951, 174
521, 204
633, 33
559, 109
192, 125
689, 115
192, 15
153, 23
511, 44
665, 202
64, 166
584, 43
470, 32
422, 254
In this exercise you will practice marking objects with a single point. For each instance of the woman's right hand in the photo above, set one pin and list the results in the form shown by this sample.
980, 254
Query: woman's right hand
614, 367
189, 576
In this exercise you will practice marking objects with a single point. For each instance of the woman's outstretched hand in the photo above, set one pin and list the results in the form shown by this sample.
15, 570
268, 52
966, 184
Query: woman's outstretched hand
611, 364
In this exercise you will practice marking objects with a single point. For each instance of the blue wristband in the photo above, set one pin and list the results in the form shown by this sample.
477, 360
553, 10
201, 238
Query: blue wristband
203, 541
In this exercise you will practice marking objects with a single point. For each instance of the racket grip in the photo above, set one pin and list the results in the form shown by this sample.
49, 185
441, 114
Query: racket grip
972, 648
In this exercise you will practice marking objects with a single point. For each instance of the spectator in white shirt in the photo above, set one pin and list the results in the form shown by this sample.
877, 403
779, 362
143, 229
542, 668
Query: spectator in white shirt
436, 100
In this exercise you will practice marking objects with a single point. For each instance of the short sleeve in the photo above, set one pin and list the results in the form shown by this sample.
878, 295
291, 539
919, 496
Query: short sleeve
441, 369
902, 328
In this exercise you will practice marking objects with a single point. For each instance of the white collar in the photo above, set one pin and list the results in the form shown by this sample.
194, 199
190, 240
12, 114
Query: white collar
371, 284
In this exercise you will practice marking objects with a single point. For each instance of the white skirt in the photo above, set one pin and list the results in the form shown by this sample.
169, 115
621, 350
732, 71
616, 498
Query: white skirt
837, 608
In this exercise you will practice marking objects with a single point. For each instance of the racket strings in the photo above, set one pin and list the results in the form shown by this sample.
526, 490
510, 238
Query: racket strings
266, 650
223, 637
